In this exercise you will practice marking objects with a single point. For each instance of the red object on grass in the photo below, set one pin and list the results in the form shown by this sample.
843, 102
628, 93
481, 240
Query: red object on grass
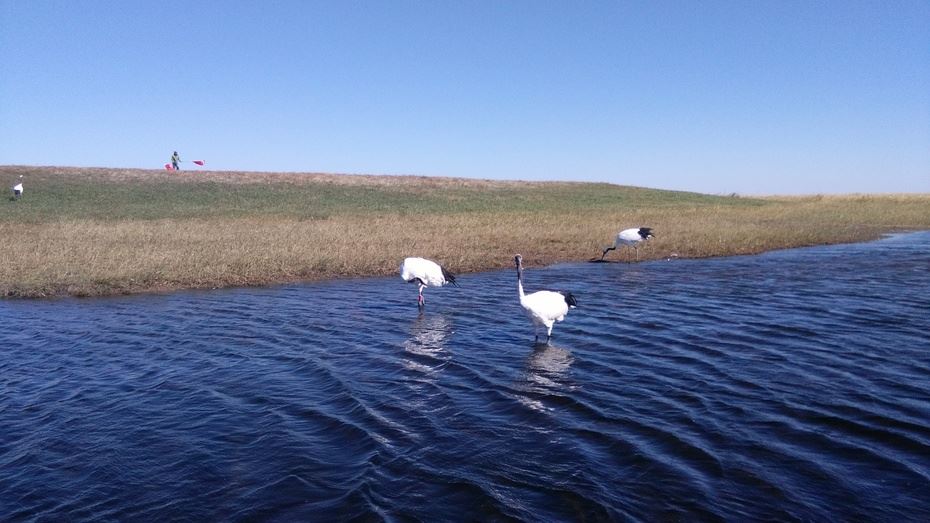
169, 167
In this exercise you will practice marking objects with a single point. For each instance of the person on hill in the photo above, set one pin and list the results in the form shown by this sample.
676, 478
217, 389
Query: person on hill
175, 160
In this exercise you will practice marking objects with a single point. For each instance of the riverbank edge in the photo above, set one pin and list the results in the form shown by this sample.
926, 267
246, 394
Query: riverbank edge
115, 289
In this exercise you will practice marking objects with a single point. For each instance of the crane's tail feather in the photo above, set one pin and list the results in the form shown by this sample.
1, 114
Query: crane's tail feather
570, 300
450, 278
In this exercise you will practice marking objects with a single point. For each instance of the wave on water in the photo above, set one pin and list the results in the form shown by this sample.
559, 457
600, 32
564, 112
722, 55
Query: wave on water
785, 386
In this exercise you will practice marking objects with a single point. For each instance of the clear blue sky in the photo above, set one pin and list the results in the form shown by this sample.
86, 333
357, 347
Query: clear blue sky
753, 97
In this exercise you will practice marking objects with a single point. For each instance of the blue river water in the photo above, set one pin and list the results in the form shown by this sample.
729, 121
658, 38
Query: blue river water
793, 385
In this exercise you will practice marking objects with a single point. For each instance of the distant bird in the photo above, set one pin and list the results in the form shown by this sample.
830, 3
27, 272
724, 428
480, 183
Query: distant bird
426, 273
543, 308
18, 188
632, 237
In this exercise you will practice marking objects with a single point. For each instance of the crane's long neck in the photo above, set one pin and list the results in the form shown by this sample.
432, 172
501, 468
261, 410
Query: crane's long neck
520, 281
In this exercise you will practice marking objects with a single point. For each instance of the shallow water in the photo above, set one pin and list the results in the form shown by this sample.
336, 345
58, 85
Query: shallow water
790, 385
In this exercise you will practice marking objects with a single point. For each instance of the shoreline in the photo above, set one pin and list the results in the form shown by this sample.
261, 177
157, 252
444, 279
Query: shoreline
113, 292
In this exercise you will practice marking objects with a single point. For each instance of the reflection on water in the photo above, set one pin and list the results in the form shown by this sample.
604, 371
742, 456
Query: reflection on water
548, 365
546, 371
426, 345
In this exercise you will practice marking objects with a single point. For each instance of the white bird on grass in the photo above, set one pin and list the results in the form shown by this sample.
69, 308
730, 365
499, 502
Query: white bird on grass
543, 308
18, 188
632, 237
426, 273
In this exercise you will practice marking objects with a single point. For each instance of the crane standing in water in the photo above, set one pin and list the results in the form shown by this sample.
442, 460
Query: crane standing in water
426, 273
543, 308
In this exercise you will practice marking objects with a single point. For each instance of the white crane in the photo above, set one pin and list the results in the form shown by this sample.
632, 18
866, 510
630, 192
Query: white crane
543, 308
632, 237
426, 273
18, 188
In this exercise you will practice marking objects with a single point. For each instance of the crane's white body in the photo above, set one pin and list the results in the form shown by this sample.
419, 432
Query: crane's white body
426, 273
543, 308
630, 237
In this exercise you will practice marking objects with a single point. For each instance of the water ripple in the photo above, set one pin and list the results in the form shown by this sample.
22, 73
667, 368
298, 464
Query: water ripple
787, 386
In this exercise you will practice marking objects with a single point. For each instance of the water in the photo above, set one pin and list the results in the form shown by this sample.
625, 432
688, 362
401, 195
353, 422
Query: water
791, 385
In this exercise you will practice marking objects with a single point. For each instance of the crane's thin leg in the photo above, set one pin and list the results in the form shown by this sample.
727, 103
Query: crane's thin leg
421, 302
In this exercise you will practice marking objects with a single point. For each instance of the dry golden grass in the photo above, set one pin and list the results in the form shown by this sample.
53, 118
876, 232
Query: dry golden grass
65, 245
422, 183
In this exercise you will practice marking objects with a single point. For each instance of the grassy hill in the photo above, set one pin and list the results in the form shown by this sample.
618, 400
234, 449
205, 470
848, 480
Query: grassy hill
104, 231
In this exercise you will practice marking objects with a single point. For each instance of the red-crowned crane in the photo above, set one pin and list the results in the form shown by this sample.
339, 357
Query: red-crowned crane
426, 273
543, 308
18, 189
632, 237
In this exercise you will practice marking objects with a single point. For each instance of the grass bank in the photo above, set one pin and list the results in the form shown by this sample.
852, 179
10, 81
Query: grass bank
91, 232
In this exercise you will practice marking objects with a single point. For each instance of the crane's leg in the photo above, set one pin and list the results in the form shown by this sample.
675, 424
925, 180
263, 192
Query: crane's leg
548, 334
421, 302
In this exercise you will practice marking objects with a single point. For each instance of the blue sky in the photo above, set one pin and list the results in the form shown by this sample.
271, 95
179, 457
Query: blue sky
753, 97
